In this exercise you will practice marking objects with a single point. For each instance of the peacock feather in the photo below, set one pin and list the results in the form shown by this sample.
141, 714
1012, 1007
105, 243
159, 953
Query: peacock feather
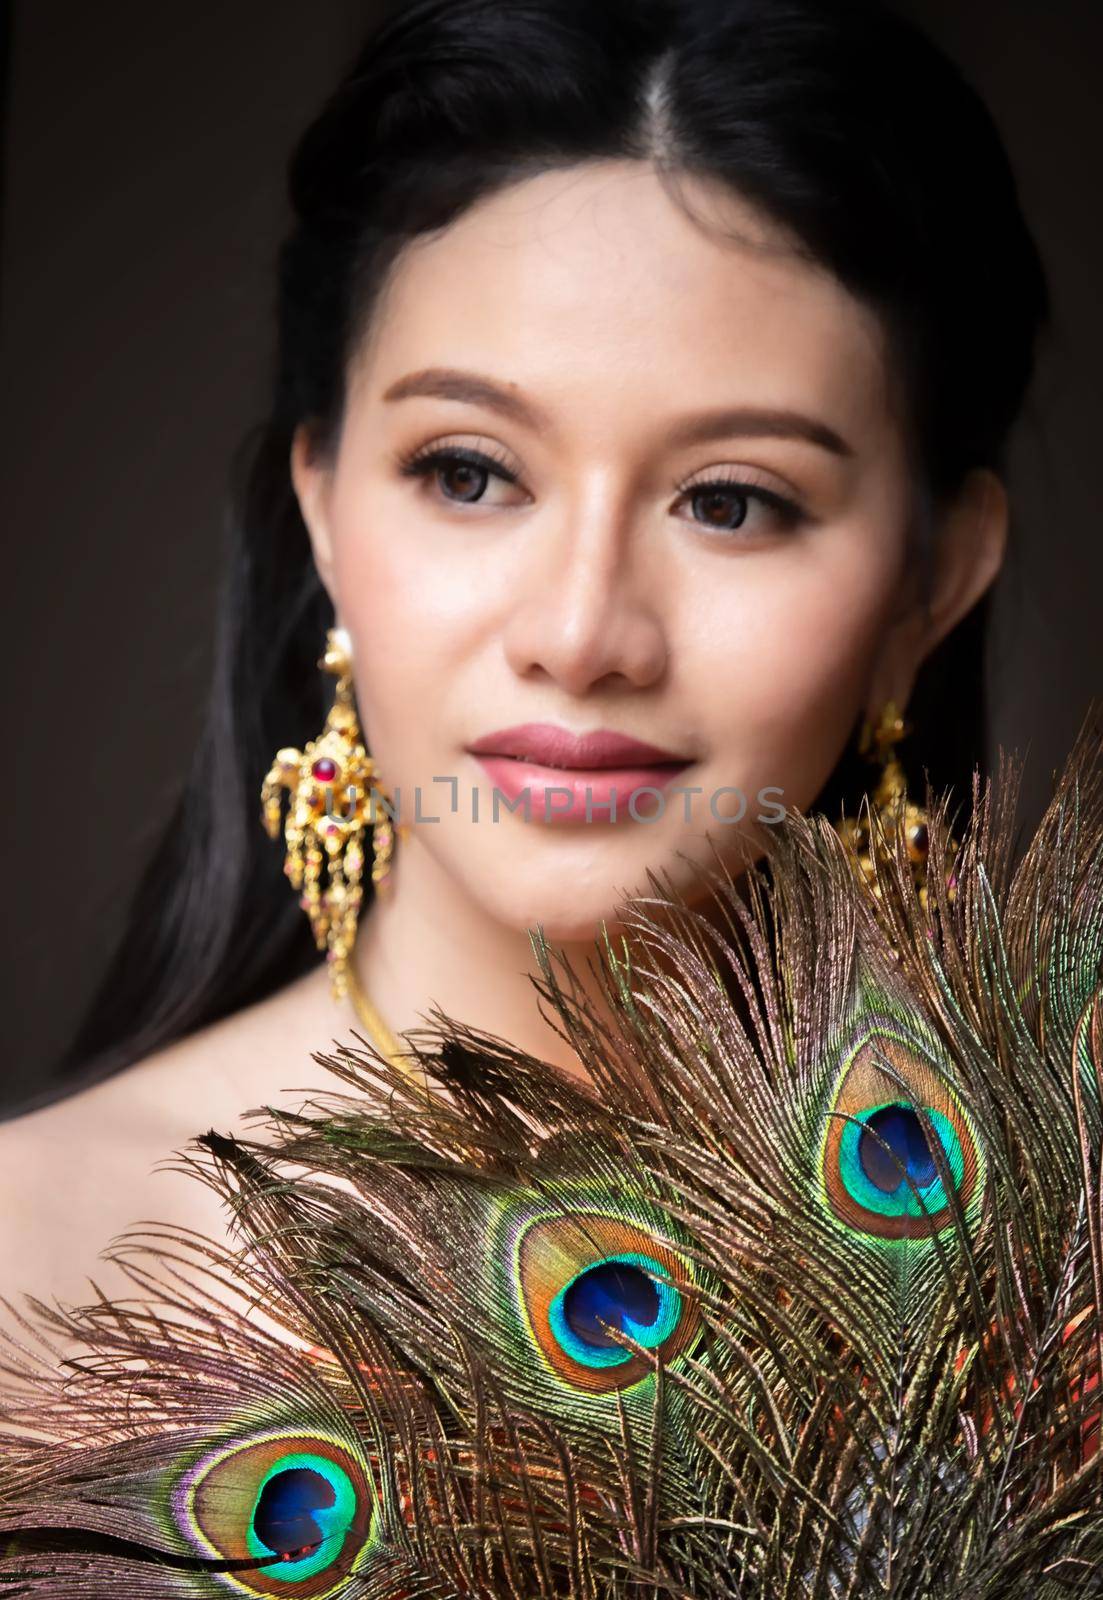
193, 1452
800, 1297
546, 1266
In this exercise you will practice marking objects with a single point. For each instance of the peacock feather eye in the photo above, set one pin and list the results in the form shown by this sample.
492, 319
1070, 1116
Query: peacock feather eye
588, 1278
880, 1172
304, 1501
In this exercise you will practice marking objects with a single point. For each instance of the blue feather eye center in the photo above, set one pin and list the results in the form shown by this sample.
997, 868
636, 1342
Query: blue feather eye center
284, 1518
908, 1154
615, 1293
628, 1294
304, 1509
884, 1146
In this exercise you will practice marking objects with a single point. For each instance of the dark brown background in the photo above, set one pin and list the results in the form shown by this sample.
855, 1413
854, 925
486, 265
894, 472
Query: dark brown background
143, 164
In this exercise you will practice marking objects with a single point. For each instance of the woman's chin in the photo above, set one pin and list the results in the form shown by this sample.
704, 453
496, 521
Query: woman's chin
566, 917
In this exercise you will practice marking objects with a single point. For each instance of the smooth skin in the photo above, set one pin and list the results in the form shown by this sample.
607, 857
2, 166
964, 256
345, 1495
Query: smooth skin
610, 354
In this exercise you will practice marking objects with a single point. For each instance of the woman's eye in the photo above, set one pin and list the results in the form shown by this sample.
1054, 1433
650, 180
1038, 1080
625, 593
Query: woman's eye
461, 476
726, 507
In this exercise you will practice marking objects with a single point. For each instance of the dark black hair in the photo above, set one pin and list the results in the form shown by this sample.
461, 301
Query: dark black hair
839, 120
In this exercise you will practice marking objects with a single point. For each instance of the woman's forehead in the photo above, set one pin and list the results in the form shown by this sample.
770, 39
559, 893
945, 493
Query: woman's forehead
593, 285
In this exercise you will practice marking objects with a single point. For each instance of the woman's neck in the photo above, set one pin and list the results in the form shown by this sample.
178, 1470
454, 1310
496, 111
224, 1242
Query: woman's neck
424, 941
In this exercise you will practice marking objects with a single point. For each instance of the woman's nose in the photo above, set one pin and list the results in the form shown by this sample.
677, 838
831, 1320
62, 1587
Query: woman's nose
586, 611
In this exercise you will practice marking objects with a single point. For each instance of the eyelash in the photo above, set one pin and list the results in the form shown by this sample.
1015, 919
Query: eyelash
423, 462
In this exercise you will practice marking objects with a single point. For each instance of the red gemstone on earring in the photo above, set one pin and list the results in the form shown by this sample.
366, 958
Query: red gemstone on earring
324, 769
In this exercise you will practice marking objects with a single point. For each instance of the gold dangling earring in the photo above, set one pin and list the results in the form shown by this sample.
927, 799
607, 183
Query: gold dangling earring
888, 800
334, 797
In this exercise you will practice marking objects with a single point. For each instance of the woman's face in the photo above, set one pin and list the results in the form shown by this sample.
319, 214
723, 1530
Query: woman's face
605, 468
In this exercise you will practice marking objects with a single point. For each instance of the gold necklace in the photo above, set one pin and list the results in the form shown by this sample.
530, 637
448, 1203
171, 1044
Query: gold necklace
387, 1041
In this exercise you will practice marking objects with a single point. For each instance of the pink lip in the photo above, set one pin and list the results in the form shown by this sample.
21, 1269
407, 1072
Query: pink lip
577, 794
546, 745
557, 776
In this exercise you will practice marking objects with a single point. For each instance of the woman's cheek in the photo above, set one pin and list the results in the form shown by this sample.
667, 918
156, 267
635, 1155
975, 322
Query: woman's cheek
795, 639
785, 668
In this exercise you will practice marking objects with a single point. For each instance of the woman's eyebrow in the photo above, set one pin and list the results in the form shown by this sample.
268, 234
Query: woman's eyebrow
448, 383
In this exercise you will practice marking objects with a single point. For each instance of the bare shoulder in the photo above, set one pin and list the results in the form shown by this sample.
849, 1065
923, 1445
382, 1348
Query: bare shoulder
261, 1055
76, 1174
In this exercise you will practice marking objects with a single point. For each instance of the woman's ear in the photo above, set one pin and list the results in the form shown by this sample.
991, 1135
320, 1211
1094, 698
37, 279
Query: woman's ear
312, 477
970, 545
